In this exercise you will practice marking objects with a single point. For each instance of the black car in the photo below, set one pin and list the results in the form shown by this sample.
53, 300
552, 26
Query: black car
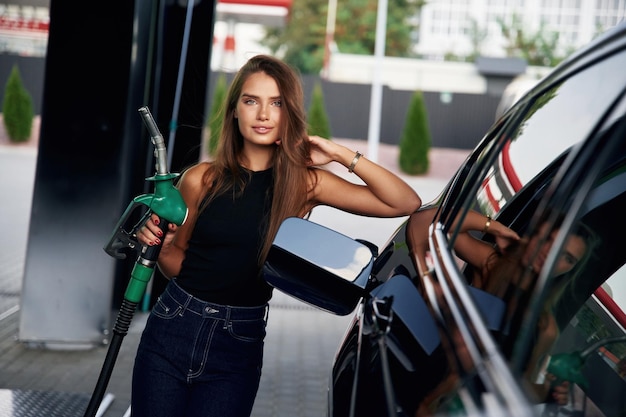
427, 337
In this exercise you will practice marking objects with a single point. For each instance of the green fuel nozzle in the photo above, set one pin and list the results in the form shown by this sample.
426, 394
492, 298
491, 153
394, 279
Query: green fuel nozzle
166, 202
568, 366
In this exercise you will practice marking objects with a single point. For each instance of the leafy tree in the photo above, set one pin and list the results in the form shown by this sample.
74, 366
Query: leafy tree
539, 48
215, 116
477, 37
318, 118
415, 140
301, 43
17, 108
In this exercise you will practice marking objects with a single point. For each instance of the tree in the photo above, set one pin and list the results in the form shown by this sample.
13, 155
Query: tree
17, 108
318, 118
415, 140
302, 42
216, 113
477, 36
539, 48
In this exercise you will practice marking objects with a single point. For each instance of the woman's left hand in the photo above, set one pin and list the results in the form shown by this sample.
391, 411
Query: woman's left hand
323, 151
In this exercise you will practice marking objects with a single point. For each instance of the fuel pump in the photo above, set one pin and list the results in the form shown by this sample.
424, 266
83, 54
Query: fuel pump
168, 204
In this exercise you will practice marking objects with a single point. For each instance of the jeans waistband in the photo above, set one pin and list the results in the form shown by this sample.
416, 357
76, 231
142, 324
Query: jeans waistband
206, 309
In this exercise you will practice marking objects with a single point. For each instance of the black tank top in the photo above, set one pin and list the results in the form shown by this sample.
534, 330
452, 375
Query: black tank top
221, 262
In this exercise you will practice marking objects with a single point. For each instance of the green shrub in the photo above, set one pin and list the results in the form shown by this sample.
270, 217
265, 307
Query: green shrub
317, 116
415, 140
216, 113
17, 108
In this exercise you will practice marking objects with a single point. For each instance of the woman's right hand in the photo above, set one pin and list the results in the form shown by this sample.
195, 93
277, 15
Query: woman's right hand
150, 234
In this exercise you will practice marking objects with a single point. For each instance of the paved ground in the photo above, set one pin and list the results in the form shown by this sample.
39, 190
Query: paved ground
300, 344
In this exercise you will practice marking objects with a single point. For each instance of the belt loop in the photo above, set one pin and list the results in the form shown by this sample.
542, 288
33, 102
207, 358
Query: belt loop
186, 304
227, 318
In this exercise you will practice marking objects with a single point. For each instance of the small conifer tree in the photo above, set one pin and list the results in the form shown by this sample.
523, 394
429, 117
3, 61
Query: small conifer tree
216, 113
415, 140
17, 108
317, 118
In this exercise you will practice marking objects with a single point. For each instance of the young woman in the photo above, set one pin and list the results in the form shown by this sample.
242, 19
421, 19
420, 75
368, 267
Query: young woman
201, 351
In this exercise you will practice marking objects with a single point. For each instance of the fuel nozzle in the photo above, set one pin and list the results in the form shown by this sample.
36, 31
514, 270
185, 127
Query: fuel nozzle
166, 202
568, 366
160, 153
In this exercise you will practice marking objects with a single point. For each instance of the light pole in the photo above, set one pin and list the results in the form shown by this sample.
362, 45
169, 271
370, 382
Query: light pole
373, 137
331, 16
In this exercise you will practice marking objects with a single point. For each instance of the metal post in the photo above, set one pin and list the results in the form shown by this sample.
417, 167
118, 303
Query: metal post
376, 97
330, 34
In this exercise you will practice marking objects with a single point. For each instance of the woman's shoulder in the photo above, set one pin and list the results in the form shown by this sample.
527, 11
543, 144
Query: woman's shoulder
196, 172
194, 176
191, 183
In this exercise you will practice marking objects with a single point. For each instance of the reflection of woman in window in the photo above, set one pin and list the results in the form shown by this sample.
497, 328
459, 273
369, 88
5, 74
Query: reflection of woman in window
509, 270
512, 284
510, 274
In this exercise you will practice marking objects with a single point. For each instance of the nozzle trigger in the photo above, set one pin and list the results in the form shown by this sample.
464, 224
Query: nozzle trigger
121, 238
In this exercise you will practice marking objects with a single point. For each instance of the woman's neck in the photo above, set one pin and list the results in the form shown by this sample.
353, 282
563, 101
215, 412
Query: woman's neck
257, 159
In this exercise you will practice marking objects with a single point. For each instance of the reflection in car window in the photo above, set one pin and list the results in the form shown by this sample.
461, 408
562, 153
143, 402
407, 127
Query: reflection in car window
570, 260
616, 287
508, 182
568, 113
586, 344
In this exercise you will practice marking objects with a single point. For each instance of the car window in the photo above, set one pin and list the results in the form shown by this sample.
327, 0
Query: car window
511, 179
564, 318
570, 322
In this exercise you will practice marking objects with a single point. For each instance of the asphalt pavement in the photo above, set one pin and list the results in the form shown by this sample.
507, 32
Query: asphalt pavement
300, 344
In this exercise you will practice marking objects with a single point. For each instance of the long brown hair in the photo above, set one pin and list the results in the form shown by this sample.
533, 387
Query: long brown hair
290, 157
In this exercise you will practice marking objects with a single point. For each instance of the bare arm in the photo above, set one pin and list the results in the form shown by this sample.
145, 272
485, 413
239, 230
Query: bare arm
383, 195
474, 251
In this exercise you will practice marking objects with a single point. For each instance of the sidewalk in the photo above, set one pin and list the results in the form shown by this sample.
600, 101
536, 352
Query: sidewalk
300, 343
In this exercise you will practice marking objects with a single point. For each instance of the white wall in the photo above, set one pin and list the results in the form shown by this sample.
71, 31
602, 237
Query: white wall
415, 74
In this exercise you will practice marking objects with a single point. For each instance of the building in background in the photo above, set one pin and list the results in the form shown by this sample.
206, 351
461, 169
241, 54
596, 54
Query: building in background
446, 25
240, 26
24, 29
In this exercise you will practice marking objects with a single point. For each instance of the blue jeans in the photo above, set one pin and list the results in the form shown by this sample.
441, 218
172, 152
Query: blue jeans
197, 358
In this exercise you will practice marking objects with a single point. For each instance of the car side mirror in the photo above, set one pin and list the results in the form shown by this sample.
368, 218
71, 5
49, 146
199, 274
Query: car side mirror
318, 266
